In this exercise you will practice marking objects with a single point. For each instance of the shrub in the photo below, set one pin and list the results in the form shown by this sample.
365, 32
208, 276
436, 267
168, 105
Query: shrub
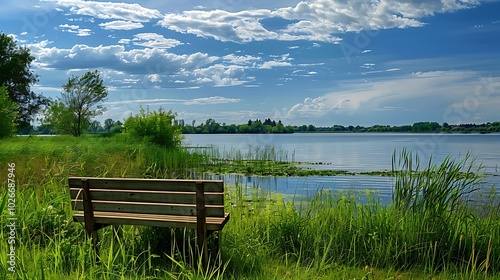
156, 127
116, 129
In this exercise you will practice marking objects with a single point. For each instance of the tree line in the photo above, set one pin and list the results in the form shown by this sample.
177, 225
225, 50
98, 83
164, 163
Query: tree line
418, 127
210, 126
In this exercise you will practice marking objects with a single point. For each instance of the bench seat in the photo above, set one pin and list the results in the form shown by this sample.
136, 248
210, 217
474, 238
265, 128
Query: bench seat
116, 218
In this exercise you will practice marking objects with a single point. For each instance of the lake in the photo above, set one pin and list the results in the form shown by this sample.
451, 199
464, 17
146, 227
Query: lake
354, 152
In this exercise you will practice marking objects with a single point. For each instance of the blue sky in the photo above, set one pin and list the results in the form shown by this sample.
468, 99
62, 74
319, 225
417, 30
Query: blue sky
320, 62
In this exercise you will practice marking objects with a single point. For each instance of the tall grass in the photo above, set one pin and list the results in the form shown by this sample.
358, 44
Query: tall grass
435, 226
438, 199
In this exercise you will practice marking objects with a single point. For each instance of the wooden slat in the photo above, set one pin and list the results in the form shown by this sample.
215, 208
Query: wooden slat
148, 196
147, 184
213, 223
149, 207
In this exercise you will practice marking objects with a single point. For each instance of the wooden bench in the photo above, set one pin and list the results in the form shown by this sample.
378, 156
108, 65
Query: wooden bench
193, 204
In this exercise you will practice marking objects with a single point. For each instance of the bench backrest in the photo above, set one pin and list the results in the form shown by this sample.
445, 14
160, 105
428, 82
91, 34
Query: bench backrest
149, 196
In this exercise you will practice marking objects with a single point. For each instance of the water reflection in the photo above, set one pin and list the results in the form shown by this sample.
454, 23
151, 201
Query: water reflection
364, 151
357, 153
300, 187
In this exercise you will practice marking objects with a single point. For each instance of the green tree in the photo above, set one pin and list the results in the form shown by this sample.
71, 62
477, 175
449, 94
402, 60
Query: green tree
80, 101
8, 114
244, 128
95, 127
16, 76
108, 124
425, 127
61, 118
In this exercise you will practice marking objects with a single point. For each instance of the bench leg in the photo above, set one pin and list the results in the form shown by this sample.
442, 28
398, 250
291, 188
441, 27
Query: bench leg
201, 224
214, 252
218, 254
90, 225
95, 240
217, 241
203, 250
92, 234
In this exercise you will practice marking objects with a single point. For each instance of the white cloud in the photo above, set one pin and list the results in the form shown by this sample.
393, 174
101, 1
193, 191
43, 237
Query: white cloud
84, 32
153, 67
316, 20
67, 26
367, 65
153, 40
379, 71
221, 25
124, 41
241, 59
115, 57
221, 75
319, 106
211, 100
121, 25
110, 10
164, 101
411, 93
154, 78
271, 64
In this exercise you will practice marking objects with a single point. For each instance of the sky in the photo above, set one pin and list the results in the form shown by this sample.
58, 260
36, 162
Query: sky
320, 62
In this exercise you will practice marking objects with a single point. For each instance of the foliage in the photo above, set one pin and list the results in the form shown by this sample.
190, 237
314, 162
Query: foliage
62, 119
435, 189
16, 76
8, 114
438, 197
80, 100
156, 127
418, 127
211, 126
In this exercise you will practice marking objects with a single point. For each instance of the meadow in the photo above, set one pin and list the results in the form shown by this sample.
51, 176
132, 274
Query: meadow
438, 226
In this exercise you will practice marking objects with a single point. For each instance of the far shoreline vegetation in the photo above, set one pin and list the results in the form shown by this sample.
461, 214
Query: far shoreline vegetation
269, 126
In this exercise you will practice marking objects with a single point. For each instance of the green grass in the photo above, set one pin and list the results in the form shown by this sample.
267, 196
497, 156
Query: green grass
439, 235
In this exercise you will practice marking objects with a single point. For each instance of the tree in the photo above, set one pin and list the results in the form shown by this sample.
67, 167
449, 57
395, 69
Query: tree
108, 124
16, 76
80, 100
95, 127
8, 114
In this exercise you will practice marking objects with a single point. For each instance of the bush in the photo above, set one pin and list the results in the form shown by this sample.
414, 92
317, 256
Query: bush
156, 127
116, 129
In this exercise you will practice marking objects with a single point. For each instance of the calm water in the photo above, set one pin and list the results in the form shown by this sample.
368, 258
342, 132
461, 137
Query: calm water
355, 152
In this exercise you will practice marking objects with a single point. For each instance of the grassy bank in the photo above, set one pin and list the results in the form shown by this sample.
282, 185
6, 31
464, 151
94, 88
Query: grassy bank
428, 232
